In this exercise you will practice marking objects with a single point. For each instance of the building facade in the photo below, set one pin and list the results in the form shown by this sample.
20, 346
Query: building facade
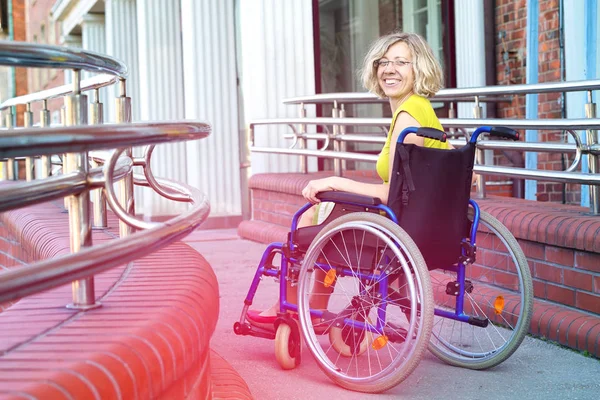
232, 61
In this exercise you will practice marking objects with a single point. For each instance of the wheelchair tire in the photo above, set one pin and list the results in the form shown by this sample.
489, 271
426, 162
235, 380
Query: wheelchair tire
396, 342
464, 345
286, 347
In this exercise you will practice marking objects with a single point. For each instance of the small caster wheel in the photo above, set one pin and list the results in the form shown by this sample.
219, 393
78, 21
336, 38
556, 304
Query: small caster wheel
287, 346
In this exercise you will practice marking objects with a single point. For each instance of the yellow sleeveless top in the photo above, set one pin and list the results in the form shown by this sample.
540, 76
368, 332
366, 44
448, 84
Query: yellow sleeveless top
420, 109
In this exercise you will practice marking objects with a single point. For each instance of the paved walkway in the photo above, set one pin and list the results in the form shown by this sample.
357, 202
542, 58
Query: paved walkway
538, 370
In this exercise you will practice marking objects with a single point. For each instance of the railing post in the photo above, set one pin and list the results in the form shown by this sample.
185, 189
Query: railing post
2, 163
480, 183
592, 139
303, 141
98, 197
45, 122
343, 132
79, 205
28, 123
123, 114
337, 163
10, 164
65, 160
452, 115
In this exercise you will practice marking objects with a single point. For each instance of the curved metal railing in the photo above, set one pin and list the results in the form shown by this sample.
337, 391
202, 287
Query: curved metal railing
83, 174
48, 274
23, 54
95, 82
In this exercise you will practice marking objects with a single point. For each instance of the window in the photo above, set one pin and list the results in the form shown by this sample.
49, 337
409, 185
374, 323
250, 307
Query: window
346, 28
425, 18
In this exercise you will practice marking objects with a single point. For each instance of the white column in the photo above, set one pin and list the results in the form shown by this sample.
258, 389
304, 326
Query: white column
470, 50
470, 56
73, 41
161, 90
93, 38
93, 35
209, 67
276, 42
122, 43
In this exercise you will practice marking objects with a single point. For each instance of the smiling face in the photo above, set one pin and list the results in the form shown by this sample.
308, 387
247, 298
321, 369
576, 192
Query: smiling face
396, 81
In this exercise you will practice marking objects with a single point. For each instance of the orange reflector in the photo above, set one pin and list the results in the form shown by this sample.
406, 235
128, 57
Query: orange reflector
329, 278
499, 305
379, 342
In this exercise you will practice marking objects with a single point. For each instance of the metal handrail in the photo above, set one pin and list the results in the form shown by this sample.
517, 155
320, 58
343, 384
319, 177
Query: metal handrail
454, 94
567, 176
549, 124
24, 194
92, 260
95, 82
22, 54
514, 172
484, 145
28, 280
74, 139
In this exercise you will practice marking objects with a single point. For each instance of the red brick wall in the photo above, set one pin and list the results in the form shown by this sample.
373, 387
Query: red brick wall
41, 29
561, 246
511, 52
11, 255
19, 24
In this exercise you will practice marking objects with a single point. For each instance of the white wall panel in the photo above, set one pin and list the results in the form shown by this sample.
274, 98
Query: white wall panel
470, 55
209, 64
93, 38
161, 91
122, 43
470, 50
70, 41
277, 63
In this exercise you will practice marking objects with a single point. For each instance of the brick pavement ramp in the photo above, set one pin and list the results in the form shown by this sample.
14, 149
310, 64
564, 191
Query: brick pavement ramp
537, 370
149, 339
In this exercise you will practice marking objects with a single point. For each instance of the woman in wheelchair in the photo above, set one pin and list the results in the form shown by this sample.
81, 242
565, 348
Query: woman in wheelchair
373, 275
401, 67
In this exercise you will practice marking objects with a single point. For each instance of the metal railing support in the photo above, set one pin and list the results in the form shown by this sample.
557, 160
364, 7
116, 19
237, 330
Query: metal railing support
79, 205
302, 141
337, 163
480, 155
592, 139
45, 122
28, 123
343, 144
11, 173
98, 196
65, 160
123, 114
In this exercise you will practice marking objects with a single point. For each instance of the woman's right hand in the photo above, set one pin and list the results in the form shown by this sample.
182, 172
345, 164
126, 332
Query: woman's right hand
315, 187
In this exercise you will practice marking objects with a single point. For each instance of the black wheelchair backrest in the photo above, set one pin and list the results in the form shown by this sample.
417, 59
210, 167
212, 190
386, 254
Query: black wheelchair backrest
429, 192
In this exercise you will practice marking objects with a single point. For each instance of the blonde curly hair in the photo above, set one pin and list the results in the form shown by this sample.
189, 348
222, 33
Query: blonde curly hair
426, 68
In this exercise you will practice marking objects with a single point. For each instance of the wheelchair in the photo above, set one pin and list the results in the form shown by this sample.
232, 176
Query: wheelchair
430, 270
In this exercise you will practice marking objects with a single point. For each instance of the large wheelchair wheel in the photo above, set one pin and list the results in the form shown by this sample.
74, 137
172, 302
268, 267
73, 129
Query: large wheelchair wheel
498, 289
357, 262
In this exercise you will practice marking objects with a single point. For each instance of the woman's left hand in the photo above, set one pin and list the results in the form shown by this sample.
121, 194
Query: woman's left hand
314, 187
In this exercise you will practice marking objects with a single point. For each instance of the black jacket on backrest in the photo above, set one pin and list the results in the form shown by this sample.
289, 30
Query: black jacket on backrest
429, 192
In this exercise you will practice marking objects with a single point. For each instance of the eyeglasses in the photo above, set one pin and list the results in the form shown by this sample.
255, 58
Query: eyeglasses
385, 63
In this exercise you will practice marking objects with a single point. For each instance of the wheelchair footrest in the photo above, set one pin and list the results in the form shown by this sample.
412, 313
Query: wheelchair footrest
478, 321
247, 329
